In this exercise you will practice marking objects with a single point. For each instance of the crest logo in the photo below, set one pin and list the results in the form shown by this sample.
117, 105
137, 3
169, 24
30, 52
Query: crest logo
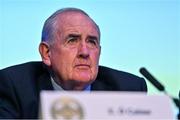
67, 108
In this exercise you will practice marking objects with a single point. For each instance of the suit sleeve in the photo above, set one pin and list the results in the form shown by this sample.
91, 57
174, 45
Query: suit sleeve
8, 100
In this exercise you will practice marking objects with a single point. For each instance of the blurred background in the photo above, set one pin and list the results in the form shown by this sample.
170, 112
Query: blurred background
134, 34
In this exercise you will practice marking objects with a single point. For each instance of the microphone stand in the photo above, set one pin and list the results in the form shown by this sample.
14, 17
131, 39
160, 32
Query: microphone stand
160, 87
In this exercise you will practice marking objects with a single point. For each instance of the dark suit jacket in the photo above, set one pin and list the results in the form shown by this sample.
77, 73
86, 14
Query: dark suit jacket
20, 86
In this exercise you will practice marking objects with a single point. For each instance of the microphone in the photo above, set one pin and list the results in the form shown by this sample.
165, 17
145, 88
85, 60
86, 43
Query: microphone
159, 86
152, 79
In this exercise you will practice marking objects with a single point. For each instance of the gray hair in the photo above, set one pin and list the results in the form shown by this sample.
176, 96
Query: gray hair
50, 23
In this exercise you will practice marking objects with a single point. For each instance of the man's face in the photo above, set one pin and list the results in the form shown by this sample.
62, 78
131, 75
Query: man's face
74, 55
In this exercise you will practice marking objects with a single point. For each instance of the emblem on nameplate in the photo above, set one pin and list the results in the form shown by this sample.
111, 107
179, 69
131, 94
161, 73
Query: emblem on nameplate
67, 108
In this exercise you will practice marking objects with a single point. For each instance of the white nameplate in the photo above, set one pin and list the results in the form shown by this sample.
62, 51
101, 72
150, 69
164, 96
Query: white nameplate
104, 106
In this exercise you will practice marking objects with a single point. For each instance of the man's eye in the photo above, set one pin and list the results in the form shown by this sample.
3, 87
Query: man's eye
93, 42
72, 39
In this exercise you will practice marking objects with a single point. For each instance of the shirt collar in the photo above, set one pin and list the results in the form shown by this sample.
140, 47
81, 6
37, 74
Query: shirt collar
56, 86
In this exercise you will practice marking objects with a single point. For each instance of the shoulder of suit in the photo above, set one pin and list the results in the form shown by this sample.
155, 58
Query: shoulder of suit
107, 72
34, 65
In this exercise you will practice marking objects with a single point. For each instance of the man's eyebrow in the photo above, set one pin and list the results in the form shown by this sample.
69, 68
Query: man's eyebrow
93, 37
74, 35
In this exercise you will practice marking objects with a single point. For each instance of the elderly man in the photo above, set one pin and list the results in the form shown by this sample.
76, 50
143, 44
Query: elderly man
70, 50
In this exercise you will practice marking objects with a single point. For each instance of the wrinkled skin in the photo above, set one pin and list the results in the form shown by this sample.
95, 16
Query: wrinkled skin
73, 57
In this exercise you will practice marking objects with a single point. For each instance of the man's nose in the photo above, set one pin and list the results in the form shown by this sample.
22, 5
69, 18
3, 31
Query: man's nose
83, 50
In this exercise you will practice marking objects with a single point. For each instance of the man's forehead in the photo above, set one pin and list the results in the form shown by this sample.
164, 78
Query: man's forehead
75, 18
70, 18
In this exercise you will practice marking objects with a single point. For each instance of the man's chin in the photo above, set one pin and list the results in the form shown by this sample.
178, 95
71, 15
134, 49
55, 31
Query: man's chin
83, 81
82, 76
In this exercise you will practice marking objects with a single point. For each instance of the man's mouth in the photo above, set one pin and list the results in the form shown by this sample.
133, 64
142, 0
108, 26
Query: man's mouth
82, 66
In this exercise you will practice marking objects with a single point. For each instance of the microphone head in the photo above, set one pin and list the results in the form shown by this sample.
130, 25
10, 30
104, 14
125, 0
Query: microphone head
152, 79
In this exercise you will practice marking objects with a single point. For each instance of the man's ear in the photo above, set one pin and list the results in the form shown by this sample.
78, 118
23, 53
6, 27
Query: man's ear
99, 50
45, 53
